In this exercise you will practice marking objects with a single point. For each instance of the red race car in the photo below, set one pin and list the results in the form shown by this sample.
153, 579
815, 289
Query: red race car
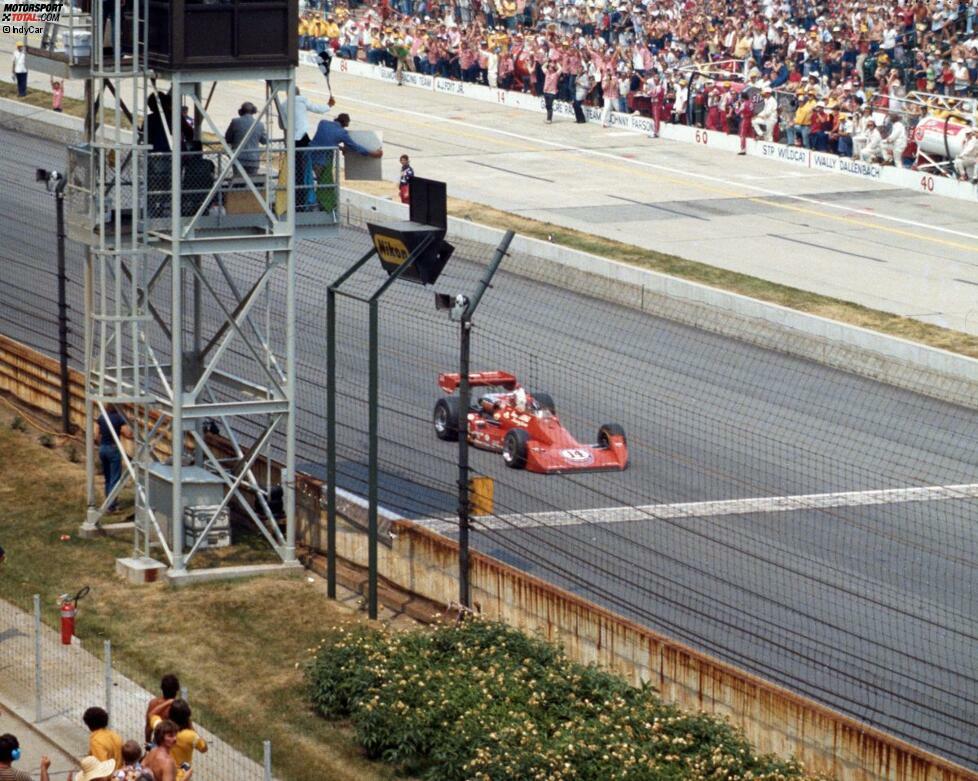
504, 418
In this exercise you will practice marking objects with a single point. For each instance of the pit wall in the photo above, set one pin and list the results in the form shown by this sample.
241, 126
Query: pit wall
930, 371
424, 563
821, 162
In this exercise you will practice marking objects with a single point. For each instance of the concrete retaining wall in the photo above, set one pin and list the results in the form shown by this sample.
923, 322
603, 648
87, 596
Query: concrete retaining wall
774, 719
825, 163
904, 364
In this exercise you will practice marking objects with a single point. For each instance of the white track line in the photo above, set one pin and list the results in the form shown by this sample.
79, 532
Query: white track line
655, 166
660, 512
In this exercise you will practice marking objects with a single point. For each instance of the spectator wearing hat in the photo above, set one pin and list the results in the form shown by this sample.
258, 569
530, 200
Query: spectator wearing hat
840, 138
860, 132
103, 743
803, 118
247, 132
819, 129
966, 163
895, 141
765, 119
872, 146
18, 67
94, 769
10, 753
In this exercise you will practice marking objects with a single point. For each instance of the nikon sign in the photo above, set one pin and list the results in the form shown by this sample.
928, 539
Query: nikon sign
423, 246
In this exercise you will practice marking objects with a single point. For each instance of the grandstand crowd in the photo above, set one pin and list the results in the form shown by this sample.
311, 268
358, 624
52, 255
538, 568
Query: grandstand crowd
845, 76
164, 750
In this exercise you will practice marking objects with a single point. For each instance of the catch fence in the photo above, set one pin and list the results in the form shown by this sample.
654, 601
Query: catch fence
804, 524
51, 685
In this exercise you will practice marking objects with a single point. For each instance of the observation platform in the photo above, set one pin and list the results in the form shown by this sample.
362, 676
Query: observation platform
222, 201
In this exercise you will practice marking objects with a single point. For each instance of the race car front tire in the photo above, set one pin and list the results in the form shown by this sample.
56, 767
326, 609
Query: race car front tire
445, 419
515, 446
609, 430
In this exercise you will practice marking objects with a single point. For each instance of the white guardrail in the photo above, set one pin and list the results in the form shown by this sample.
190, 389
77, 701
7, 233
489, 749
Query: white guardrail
818, 161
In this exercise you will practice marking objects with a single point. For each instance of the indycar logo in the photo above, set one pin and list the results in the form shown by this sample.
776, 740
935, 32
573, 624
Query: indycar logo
577, 455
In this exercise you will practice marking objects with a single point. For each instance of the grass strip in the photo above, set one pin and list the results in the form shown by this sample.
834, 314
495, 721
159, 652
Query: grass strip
235, 644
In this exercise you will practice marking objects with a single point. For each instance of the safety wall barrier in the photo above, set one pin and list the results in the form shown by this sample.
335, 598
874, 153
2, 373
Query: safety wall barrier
426, 564
774, 719
916, 367
817, 161
50, 685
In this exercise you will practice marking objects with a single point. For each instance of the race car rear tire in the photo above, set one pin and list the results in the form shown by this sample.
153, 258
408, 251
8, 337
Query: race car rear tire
609, 430
445, 419
545, 401
515, 446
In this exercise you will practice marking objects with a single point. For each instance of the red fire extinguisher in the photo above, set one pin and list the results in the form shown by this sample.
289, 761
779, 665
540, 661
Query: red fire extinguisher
69, 605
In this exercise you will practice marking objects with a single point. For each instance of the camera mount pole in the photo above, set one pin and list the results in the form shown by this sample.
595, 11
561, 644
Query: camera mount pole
464, 508
59, 201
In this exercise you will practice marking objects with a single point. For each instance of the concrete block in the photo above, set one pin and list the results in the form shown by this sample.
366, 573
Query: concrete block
188, 577
140, 571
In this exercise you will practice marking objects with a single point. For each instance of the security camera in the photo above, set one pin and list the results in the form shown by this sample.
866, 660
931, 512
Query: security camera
461, 304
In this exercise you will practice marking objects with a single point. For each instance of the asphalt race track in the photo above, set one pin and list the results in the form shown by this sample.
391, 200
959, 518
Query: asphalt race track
861, 594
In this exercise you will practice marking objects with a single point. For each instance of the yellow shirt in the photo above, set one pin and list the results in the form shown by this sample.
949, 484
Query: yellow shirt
332, 30
304, 27
105, 744
803, 115
183, 749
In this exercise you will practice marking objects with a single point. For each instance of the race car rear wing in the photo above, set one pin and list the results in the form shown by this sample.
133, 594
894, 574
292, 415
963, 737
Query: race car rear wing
450, 382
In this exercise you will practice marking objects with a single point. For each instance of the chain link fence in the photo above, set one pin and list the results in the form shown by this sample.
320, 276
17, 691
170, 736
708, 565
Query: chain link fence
51, 685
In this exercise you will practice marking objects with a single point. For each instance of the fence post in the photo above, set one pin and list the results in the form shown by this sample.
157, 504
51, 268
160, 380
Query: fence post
267, 746
108, 678
37, 657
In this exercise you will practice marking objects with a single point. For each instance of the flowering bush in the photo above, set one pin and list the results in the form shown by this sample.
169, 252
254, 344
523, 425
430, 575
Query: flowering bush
485, 702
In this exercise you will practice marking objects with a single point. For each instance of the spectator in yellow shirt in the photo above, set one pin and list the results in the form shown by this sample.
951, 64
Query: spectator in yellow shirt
332, 29
803, 116
103, 743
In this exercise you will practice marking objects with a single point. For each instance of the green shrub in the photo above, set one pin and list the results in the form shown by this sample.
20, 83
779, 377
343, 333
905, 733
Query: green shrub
482, 701
18, 423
